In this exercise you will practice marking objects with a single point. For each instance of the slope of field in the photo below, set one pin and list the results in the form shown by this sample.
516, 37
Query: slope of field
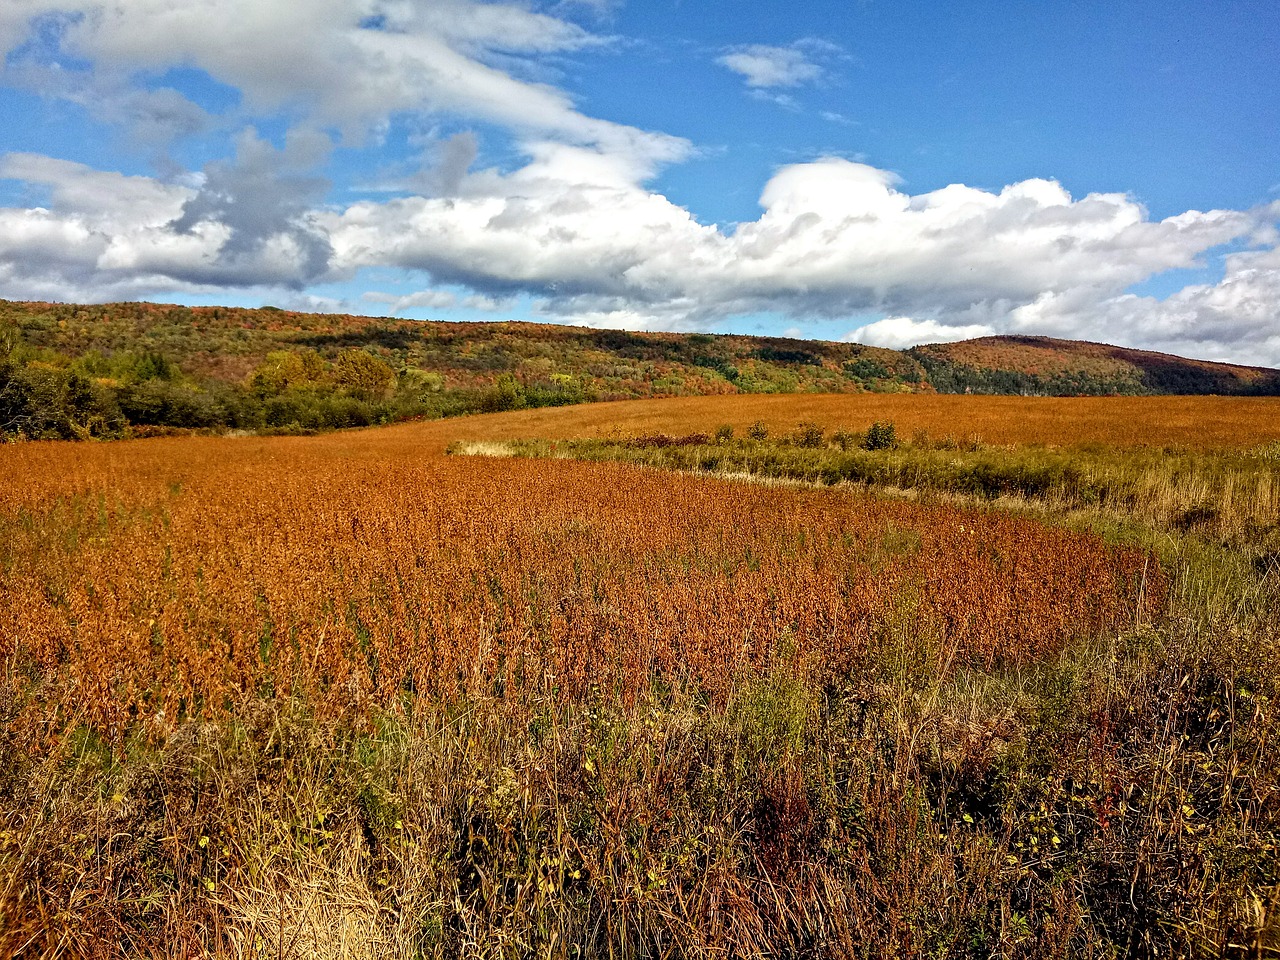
1047, 366
227, 344
72, 371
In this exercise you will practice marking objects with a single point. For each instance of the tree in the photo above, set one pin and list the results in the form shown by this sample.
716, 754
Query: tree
285, 369
363, 375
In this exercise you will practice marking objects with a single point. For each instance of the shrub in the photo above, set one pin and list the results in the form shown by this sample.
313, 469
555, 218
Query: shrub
809, 435
724, 433
880, 436
758, 431
363, 375
159, 402
507, 394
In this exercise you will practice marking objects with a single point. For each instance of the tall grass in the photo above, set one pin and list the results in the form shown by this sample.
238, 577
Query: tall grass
1231, 494
1111, 801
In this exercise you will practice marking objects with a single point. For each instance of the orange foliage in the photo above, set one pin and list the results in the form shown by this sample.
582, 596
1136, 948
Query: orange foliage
183, 576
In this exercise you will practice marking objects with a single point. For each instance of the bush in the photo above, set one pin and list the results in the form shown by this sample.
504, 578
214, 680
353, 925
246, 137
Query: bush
507, 394
809, 435
158, 402
52, 404
757, 431
363, 375
880, 436
724, 433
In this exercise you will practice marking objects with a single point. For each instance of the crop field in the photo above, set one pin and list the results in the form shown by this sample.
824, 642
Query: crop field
289, 567
1199, 423
354, 695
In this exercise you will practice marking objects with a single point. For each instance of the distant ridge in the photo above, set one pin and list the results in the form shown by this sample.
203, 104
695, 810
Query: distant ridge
1049, 366
123, 369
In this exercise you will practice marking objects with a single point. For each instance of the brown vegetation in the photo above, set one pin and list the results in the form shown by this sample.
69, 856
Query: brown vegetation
1197, 423
347, 696
176, 579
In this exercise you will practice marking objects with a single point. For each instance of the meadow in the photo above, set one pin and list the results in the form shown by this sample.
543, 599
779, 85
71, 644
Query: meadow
361, 694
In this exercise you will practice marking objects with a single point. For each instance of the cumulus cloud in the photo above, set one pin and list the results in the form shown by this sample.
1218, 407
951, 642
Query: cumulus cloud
577, 230
1236, 319
100, 232
898, 333
835, 237
764, 66
105, 235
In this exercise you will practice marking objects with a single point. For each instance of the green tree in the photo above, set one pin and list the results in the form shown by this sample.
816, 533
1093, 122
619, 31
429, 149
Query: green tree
363, 375
289, 369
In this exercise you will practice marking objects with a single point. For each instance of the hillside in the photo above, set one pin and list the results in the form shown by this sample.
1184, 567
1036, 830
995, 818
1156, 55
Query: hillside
111, 370
69, 370
1047, 366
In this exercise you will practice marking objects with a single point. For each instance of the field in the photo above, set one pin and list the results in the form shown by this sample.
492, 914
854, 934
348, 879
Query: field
358, 695
1197, 423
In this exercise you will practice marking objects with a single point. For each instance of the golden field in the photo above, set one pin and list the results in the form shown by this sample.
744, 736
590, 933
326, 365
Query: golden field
1198, 423
177, 578
348, 695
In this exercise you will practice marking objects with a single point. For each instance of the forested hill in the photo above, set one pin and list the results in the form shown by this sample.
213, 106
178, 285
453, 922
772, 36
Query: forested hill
1045, 366
126, 369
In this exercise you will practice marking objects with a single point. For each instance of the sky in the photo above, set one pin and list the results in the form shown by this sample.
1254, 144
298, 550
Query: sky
890, 172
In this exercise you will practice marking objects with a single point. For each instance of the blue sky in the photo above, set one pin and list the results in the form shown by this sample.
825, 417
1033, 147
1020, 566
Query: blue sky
890, 173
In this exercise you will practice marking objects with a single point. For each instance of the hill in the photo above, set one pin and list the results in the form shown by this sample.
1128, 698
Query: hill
121, 369
1049, 367
68, 370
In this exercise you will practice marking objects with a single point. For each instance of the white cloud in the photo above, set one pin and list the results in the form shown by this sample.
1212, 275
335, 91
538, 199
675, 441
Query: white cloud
350, 64
766, 67
107, 235
1236, 319
575, 229
431, 299
98, 234
898, 333
835, 238
100, 200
